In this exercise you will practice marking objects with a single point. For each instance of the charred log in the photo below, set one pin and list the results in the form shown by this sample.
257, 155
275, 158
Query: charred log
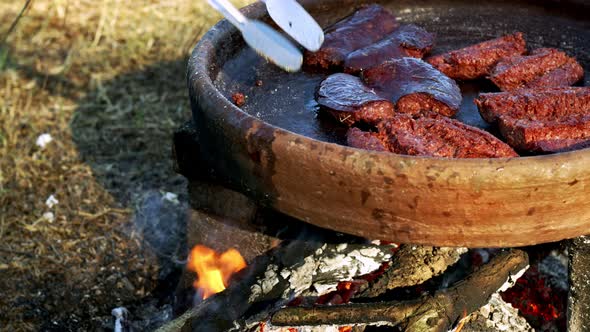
413, 265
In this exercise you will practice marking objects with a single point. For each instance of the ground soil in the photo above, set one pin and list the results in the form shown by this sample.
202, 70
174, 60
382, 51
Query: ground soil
106, 79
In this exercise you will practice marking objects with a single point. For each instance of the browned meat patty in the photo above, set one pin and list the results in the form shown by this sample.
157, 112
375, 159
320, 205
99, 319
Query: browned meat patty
478, 60
566, 75
433, 136
540, 120
365, 27
543, 68
407, 41
546, 137
365, 140
348, 99
414, 86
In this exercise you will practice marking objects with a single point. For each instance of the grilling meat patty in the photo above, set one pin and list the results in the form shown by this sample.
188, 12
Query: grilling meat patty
407, 41
414, 86
433, 136
363, 28
540, 120
349, 100
543, 68
478, 60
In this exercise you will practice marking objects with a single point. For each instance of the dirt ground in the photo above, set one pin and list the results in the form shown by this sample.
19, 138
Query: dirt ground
106, 80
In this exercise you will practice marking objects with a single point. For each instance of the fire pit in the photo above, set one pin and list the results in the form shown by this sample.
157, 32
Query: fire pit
252, 167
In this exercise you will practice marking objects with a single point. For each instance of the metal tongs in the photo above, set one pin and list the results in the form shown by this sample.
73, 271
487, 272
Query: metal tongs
289, 16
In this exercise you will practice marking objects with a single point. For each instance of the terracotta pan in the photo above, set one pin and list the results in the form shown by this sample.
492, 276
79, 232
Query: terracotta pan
276, 150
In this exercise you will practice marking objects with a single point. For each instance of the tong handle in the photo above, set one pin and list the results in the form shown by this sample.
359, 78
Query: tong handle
230, 12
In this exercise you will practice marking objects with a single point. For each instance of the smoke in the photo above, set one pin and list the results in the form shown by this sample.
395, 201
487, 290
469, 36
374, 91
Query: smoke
160, 218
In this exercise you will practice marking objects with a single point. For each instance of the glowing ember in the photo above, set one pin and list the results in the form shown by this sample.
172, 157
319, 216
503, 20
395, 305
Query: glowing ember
344, 291
213, 270
345, 329
542, 305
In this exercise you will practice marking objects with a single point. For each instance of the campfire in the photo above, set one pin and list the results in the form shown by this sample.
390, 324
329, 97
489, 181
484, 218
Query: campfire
302, 278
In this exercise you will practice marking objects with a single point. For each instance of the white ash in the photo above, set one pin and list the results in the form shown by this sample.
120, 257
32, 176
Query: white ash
43, 140
317, 275
344, 267
341, 247
321, 250
270, 279
319, 328
321, 272
285, 274
324, 288
497, 315
301, 277
370, 252
268, 327
265, 285
51, 201
255, 292
512, 279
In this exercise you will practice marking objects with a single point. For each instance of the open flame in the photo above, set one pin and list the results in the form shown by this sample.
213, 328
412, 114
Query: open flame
213, 270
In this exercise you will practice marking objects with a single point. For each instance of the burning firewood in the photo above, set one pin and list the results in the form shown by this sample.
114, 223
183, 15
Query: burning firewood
322, 272
434, 313
317, 275
272, 280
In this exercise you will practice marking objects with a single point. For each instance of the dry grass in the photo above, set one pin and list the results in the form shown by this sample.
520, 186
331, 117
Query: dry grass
106, 79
